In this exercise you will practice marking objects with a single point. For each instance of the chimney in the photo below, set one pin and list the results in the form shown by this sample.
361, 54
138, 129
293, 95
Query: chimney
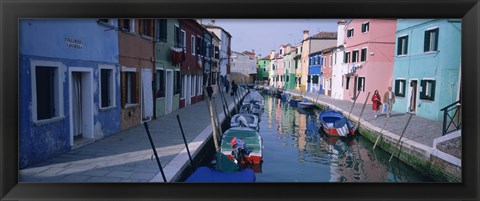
253, 50
272, 54
305, 34
342, 22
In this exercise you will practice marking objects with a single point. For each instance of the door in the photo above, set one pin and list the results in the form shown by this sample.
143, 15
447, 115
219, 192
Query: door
169, 92
412, 101
147, 96
81, 105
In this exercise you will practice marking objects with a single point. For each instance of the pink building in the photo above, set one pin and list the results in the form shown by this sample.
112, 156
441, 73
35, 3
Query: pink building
369, 53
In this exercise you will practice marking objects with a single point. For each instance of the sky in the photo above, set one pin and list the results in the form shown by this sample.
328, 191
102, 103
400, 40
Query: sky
264, 35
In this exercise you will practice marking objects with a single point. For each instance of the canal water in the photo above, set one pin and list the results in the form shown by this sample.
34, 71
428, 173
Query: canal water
295, 151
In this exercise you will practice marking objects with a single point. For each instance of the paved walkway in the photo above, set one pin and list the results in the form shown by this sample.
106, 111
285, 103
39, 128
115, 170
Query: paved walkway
127, 156
420, 129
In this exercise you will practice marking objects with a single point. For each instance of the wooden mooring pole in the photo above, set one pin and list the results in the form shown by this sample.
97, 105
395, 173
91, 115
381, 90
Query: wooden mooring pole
400, 139
155, 151
218, 118
212, 119
185, 141
354, 101
224, 102
363, 108
380, 134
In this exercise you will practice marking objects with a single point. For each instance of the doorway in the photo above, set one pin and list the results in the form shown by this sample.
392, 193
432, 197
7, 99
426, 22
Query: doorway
81, 106
147, 96
412, 97
169, 92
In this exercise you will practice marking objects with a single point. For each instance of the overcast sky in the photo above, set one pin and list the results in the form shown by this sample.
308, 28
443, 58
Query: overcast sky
264, 35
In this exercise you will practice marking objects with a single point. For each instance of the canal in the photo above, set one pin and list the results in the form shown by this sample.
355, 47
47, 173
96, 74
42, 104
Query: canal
294, 151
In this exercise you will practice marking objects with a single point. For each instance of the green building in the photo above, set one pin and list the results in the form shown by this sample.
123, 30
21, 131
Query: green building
262, 68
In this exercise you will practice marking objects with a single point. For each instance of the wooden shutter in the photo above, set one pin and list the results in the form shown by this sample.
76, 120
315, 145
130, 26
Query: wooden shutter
399, 46
123, 83
422, 87
436, 40
397, 87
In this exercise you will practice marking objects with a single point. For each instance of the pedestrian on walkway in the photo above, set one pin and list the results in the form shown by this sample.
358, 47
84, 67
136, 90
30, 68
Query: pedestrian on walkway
234, 88
227, 85
210, 91
389, 100
377, 102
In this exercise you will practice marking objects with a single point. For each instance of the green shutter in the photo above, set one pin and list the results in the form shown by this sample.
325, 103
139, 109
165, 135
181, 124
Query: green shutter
397, 87
426, 41
433, 90
436, 40
422, 86
406, 45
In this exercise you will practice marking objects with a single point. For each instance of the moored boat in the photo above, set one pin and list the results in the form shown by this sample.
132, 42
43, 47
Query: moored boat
243, 145
254, 97
245, 120
250, 108
334, 123
305, 104
294, 100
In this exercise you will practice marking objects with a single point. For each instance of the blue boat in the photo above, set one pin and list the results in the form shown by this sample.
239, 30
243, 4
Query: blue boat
294, 100
334, 123
225, 171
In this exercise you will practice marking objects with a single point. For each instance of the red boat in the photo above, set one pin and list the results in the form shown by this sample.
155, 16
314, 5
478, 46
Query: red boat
335, 124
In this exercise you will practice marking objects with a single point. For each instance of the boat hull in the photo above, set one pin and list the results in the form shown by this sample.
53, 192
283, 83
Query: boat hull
335, 124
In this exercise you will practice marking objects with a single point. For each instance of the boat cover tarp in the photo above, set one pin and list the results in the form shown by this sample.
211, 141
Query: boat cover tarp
205, 174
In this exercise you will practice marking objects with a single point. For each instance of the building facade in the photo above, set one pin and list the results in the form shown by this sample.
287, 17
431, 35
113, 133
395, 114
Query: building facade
426, 75
242, 67
224, 50
69, 75
327, 66
369, 53
167, 83
339, 67
315, 73
263, 65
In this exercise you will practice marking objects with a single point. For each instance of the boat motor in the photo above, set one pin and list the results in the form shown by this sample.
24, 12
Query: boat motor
240, 150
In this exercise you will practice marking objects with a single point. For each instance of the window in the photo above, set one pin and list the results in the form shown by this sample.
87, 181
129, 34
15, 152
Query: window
331, 60
402, 45
365, 27
309, 78
48, 95
107, 88
364, 54
335, 62
217, 52
160, 84
361, 84
129, 89
177, 36
178, 82
273, 66
264, 69
192, 48
431, 40
355, 56
427, 88
281, 51
183, 37
400, 88
146, 27
127, 25
315, 79
288, 78
350, 33
161, 31
347, 85
347, 57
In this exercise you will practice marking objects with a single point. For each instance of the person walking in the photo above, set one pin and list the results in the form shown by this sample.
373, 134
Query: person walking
227, 85
210, 91
377, 103
389, 100
234, 88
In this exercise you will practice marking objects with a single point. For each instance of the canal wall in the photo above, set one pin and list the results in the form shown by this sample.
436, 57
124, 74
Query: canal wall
430, 161
201, 148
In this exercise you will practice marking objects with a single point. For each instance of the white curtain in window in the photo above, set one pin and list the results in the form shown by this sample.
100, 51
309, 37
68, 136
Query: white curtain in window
77, 104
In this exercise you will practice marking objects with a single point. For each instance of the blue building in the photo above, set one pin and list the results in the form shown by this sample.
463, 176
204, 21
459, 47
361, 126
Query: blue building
427, 63
69, 85
315, 73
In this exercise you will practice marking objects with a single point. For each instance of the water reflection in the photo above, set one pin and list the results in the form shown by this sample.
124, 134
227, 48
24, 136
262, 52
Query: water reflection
295, 151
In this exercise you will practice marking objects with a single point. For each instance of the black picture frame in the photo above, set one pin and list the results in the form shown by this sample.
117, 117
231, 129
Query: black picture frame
12, 11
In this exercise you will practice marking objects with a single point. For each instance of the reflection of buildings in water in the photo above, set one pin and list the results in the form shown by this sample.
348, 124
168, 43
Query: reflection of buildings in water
278, 115
302, 126
270, 106
353, 163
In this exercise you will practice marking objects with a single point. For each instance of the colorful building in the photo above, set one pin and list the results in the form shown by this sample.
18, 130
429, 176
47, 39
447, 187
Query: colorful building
273, 69
263, 65
297, 58
289, 67
314, 72
167, 71
327, 65
70, 76
339, 67
426, 75
224, 49
192, 67
312, 44
369, 53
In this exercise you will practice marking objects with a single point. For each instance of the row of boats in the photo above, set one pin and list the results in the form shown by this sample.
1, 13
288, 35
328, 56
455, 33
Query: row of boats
242, 144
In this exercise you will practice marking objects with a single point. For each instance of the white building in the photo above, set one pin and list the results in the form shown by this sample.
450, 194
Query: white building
243, 64
339, 68
225, 48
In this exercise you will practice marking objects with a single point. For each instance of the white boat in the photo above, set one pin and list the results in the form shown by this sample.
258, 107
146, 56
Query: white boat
250, 108
245, 120
254, 97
